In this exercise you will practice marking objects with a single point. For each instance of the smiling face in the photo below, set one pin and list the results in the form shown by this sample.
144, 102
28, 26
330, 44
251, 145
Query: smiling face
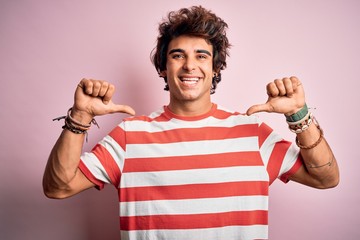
189, 72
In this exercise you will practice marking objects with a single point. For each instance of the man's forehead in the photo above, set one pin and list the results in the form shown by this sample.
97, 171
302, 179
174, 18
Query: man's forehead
189, 44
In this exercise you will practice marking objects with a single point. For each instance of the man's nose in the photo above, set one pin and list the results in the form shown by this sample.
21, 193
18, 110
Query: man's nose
189, 64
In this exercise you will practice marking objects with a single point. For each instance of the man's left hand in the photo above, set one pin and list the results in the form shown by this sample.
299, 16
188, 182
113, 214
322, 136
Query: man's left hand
285, 96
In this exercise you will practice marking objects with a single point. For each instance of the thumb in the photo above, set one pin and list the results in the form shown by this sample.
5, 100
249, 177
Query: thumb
258, 108
117, 108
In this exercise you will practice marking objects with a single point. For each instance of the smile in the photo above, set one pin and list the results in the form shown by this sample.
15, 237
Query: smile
190, 80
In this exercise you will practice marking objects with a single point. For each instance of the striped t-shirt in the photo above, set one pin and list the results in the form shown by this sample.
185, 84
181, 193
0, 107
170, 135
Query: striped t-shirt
204, 177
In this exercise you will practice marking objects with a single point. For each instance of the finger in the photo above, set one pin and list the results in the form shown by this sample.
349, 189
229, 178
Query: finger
272, 90
122, 109
289, 87
258, 108
86, 85
103, 89
295, 82
80, 88
110, 89
280, 86
96, 88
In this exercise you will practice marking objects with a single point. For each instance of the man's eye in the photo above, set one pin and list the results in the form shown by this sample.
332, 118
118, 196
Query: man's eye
202, 56
176, 56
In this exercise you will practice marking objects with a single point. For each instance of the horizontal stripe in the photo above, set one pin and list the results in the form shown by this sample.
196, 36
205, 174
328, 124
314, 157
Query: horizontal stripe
193, 162
191, 148
194, 221
191, 191
222, 233
194, 206
150, 125
192, 134
197, 176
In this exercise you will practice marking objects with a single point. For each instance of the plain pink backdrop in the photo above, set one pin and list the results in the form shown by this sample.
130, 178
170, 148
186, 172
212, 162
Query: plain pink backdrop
46, 47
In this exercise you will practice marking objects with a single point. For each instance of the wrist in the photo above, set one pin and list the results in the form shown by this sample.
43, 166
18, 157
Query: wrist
80, 125
297, 115
80, 116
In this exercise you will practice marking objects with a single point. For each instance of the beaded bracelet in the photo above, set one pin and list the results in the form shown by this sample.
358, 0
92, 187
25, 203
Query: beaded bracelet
73, 121
80, 125
301, 125
74, 126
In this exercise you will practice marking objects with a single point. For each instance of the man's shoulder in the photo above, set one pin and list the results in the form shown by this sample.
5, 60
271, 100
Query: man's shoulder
226, 113
154, 116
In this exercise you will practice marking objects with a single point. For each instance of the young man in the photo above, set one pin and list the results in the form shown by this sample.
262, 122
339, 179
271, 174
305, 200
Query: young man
191, 170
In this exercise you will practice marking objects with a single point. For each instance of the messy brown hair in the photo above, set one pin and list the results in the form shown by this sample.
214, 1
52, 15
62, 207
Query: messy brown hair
194, 21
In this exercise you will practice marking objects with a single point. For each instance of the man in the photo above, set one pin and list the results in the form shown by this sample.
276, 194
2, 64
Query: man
191, 170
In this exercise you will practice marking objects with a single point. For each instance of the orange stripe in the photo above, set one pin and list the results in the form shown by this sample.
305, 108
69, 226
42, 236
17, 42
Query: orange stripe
194, 191
99, 184
193, 162
222, 114
161, 118
192, 134
108, 163
118, 134
193, 221
264, 132
285, 177
276, 159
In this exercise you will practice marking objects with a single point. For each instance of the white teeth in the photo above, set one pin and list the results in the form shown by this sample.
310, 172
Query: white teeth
190, 79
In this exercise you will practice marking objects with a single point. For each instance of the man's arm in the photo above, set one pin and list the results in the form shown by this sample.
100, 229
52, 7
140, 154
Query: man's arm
320, 169
62, 177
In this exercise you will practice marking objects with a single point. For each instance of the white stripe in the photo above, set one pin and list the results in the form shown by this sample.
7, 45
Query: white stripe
194, 206
156, 113
194, 176
95, 167
289, 159
222, 108
139, 125
226, 233
192, 148
268, 146
115, 150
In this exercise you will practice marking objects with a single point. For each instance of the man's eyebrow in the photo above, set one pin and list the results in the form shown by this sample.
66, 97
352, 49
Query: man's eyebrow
203, 51
176, 50
182, 51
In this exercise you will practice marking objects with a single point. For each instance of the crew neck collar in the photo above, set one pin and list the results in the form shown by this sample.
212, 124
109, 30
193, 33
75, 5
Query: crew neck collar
170, 114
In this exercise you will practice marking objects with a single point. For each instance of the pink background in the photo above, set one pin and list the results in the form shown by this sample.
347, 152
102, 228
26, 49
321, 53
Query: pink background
46, 47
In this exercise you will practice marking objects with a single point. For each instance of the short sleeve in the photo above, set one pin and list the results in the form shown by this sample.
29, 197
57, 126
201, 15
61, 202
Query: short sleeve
103, 165
280, 157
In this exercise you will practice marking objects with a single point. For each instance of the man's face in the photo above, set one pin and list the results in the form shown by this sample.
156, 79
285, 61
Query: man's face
189, 69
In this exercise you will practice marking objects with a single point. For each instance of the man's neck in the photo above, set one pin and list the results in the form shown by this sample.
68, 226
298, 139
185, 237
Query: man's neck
190, 108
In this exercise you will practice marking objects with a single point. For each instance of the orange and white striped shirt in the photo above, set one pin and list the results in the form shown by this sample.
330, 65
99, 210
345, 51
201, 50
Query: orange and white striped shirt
204, 177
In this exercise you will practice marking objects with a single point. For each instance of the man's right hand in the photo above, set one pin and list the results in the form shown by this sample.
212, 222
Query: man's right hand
93, 98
